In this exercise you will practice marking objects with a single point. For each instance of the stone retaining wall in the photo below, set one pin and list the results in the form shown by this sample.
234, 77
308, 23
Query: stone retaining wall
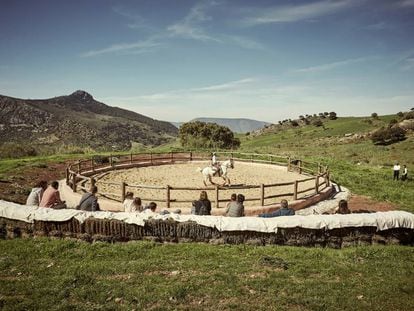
171, 231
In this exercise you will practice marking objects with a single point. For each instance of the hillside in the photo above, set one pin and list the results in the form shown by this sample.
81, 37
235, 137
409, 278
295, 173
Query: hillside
77, 120
235, 125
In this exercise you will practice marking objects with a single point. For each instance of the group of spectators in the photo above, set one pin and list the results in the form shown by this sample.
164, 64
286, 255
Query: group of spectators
44, 195
396, 169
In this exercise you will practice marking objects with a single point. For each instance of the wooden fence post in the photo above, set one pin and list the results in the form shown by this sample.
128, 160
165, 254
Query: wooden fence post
319, 168
317, 184
288, 164
92, 165
93, 182
79, 166
67, 176
151, 157
217, 196
328, 179
111, 162
123, 187
74, 182
168, 197
300, 166
191, 156
295, 190
172, 157
130, 158
262, 193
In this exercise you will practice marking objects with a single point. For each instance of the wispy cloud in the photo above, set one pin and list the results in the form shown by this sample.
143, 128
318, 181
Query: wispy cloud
134, 21
294, 13
379, 26
330, 66
406, 3
408, 64
189, 27
125, 48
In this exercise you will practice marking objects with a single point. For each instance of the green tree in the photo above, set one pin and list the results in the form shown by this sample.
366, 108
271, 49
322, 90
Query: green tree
207, 135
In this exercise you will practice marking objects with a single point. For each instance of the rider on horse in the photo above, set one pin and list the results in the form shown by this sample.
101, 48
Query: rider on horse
215, 164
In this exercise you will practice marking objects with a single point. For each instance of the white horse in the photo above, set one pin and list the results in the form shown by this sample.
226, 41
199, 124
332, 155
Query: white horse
210, 171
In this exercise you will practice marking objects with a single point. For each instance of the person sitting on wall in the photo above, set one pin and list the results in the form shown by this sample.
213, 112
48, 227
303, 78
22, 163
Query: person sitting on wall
235, 207
343, 208
51, 197
132, 204
35, 196
89, 201
202, 206
150, 208
283, 211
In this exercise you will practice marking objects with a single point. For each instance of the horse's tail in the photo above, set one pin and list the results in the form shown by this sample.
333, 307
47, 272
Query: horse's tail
199, 169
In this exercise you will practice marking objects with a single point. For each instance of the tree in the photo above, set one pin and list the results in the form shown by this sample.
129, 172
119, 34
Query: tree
400, 114
374, 115
207, 135
387, 136
332, 115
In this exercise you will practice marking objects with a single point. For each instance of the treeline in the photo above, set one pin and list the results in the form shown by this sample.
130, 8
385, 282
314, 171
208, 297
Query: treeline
207, 135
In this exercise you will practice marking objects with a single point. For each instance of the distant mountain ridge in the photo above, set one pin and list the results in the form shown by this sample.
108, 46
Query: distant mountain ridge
237, 125
78, 119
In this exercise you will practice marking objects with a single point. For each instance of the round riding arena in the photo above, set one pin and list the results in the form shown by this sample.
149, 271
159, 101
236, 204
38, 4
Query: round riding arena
173, 180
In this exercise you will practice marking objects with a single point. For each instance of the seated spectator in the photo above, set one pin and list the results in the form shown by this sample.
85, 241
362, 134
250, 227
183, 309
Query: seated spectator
235, 208
51, 197
284, 211
132, 204
343, 208
89, 201
36, 194
150, 208
202, 206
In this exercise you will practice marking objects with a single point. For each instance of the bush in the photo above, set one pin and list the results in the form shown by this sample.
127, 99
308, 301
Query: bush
332, 115
387, 136
409, 115
15, 150
400, 114
294, 123
374, 115
317, 122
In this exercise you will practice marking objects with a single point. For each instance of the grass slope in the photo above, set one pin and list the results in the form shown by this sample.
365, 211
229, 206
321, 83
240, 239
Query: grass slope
43, 274
358, 164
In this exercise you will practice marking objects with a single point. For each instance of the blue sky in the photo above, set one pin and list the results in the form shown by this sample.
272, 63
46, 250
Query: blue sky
177, 60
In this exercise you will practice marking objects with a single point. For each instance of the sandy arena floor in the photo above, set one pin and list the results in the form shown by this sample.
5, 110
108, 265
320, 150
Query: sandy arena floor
186, 175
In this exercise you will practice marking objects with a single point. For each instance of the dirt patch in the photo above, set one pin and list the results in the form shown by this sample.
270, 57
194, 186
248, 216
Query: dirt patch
18, 183
360, 202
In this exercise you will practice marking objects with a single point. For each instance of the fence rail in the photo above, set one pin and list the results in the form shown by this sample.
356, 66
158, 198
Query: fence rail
83, 171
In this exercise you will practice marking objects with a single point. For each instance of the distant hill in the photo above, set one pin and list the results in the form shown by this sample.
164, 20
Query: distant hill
236, 125
78, 120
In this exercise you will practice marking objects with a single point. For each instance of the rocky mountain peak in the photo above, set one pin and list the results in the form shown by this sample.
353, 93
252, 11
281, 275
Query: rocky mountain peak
80, 94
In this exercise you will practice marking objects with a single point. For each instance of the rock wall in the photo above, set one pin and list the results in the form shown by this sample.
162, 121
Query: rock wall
171, 231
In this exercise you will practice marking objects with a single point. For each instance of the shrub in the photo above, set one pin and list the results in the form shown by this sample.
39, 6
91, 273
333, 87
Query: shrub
332, 115
387, 136
98, 159
15, 150
400, 114
409, 115
317, 122
294, 123
374, 115
392, 122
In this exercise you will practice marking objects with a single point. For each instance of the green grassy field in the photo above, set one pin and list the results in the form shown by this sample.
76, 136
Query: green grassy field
41, 274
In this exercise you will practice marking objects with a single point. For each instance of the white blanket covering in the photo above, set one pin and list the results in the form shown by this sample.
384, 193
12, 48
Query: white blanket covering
380, 220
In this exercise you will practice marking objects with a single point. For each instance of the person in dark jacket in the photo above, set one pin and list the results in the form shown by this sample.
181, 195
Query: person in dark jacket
89, 201
202, 206
284, 211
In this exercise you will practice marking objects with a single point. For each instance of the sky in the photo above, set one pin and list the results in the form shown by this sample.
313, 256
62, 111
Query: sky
176, 60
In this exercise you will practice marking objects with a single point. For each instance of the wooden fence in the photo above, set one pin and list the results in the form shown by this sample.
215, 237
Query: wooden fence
82, 172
